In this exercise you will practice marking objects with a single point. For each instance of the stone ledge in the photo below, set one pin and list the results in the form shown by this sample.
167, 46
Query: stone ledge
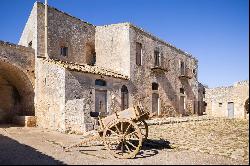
26, 121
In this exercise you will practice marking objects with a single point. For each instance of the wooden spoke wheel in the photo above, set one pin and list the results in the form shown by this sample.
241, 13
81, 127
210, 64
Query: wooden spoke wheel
123, 138
144, 129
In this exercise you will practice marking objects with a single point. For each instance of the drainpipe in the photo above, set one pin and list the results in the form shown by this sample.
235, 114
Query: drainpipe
46, 30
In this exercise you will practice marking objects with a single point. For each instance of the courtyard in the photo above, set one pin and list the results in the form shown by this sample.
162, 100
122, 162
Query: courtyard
208, 141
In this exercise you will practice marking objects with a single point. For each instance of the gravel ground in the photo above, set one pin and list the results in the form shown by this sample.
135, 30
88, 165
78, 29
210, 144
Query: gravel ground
196, 143
225, 137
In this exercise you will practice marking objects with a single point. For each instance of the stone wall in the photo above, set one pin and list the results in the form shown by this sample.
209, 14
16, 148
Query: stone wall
116, 50
113, 47
217, 100
65, 31
65, 98
65, 95
16, 80
169, 82
50, 96
80, 98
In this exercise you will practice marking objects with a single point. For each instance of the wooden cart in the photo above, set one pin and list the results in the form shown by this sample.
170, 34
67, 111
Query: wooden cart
122, 132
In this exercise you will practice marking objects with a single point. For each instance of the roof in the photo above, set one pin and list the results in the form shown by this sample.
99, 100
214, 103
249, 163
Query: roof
88, 69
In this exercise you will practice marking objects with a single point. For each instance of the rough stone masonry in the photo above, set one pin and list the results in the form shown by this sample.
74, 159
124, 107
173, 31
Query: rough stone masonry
92, 69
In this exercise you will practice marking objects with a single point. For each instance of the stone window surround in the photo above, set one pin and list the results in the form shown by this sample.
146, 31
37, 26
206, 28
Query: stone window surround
157, 57
64, 43
141, 54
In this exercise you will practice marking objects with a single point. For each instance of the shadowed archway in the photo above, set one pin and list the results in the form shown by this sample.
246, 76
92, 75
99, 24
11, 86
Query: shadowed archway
16, 92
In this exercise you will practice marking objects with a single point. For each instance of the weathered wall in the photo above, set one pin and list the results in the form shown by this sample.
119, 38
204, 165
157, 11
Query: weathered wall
65, 30
201, 95
238, 94
80, 99
17, 80
29, 33
50, 96
169, 82
116, 50
113, 47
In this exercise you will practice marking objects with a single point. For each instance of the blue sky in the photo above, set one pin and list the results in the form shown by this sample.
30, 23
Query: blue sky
216, 32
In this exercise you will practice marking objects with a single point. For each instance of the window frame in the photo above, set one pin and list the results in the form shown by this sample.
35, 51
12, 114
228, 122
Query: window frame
64, 50
138, 54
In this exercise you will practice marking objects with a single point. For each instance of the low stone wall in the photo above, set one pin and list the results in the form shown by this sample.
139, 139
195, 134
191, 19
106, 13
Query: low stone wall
218, 99
26, 121
172, 120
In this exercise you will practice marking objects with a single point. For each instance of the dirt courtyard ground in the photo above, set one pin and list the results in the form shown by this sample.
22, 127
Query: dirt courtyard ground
216, 141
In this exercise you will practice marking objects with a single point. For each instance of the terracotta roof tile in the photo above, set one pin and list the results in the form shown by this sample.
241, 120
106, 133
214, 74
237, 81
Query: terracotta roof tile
88, 69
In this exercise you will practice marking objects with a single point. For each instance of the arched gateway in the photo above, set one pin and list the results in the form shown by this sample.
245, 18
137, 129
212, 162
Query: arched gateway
16, 82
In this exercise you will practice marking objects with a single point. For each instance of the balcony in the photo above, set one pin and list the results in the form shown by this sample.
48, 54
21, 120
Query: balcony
186, 74
163, 66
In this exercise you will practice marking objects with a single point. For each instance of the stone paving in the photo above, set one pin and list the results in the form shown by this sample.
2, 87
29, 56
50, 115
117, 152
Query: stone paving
217, 136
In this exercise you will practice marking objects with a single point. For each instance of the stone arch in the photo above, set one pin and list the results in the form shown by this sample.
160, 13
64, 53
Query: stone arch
16, 92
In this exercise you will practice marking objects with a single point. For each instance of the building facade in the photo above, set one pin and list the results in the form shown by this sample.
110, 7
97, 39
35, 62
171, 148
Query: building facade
95, 69
231, 102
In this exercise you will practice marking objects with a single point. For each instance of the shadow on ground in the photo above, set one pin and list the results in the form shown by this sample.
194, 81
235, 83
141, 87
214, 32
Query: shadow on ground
151, 147
14, 153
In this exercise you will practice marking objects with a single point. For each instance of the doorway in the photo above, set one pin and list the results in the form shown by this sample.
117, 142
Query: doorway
155, 103
230, 109
101, 101
182, 105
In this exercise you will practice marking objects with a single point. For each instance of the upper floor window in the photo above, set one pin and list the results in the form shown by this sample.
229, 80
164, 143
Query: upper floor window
182, 68
30, 44
182, 90
64, 51
90, 56
155, 86
157, 58
194, 71
100, 82
138, 53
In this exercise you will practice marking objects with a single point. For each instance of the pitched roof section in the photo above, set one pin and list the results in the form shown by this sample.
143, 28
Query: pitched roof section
88, 69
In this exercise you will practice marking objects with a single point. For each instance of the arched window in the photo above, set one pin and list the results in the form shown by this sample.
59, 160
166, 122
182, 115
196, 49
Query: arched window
124, 97
155, 86
100, 82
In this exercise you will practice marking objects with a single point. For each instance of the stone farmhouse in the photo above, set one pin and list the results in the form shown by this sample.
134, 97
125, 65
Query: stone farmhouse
231, 102
63, 68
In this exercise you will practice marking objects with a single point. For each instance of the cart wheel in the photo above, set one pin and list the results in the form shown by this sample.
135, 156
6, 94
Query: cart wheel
144, 129
123, 138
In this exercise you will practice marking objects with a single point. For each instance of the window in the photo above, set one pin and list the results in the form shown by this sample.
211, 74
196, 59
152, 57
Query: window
157, 58
64, 51
182, 90
90, 57
138, 53
30, 44
93, 60
100, 82
220, 104
194, 71
182, 68
155, 86
124, 97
